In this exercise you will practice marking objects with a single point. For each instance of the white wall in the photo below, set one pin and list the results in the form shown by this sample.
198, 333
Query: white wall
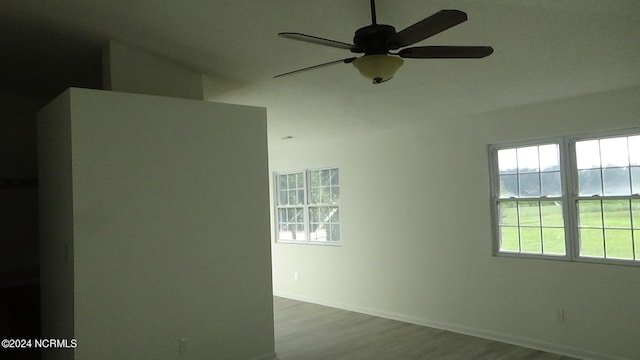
55, 193
170, 226
417, 239
132, 70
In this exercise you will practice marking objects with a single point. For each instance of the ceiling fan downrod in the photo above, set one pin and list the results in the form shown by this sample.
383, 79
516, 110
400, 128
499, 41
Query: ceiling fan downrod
373, 12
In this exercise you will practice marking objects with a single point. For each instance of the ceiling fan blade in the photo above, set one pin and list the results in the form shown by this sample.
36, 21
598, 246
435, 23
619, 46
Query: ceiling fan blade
319, 41
346, 61
434, 24
446, 52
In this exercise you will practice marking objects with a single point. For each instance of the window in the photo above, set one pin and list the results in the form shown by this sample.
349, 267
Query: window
529, 201
307, 206
572, 198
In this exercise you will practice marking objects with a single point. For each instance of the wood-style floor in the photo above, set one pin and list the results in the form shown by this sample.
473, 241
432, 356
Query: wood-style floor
306, 331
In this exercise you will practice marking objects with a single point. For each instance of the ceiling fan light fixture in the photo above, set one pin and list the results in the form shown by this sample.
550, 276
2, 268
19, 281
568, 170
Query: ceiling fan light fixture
378, 68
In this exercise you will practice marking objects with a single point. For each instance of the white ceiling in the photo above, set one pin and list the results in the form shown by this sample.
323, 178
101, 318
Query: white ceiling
544, 49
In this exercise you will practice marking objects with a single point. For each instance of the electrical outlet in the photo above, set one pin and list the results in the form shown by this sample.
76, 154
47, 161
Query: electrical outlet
296, 276
559, 315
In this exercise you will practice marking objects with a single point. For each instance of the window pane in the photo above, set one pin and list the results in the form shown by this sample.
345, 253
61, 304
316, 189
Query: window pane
553, 240
283, 199
508, 213
619, 244
334, 233
591, 244
588, 154
324, 213
549, 157
529, 184
617, 232
335, 215
324, 188
282, 182
324, 223
318, 232
589, 214
314, 178
635, 211
589, 182
636, 237
294, 215
528, 159
508, 186
634, 150
529, 213
616, 214
507, 161
531, 242
335, 177
616, 181
315, 195
293, 197
519, 171
551, 212
318, 194
300, 235
335, 194
290, 224
325, 178
613, 156
551, 184
314, 215
284, 233
614, 152
325, 195
635, 180
509, 239
291, 181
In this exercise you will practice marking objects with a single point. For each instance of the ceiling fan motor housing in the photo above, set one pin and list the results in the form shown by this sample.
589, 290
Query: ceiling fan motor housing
372, 39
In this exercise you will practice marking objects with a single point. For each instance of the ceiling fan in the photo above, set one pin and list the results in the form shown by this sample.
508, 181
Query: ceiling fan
380, 43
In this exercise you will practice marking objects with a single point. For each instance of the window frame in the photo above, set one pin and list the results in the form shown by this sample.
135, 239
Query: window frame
306, 206
569, 197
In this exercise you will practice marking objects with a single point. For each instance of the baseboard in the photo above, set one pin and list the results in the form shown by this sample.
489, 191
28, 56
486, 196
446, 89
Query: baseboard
481, 333
271, 356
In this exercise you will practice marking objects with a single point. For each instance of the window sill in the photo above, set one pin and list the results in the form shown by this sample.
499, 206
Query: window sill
568, 259
319, 243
